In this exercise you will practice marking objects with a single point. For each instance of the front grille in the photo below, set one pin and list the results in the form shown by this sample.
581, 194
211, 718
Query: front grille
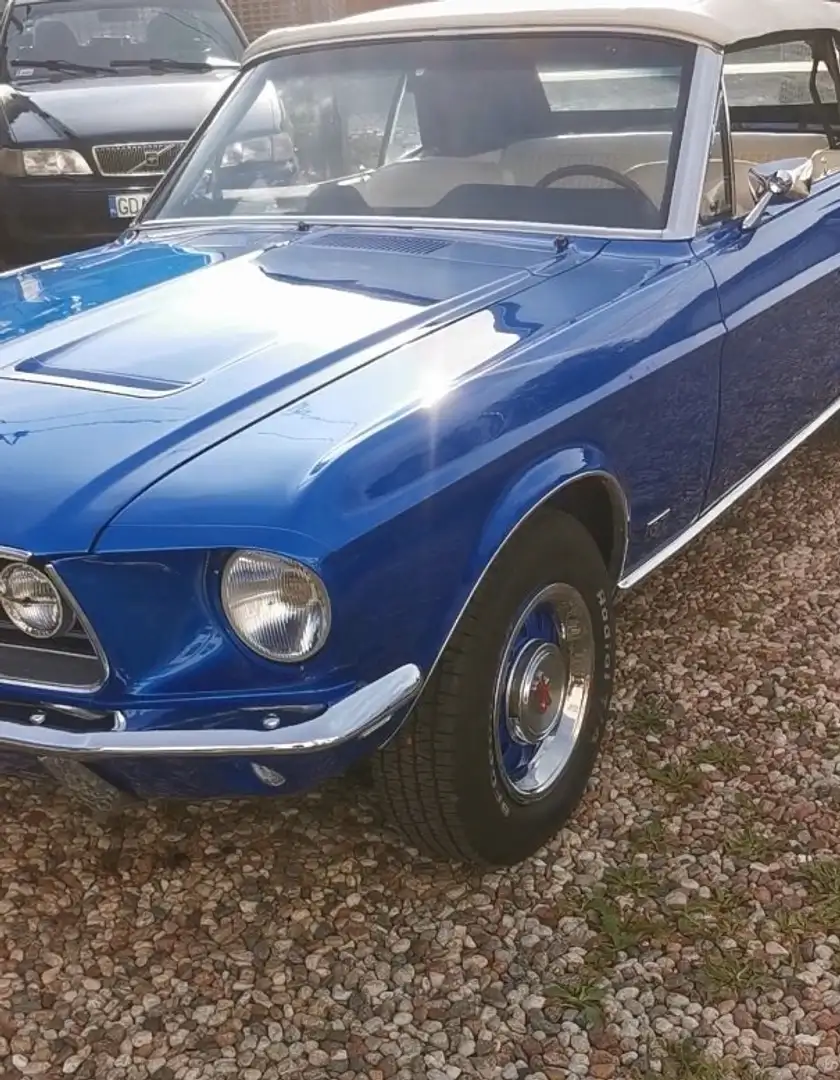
136, 159
70, 660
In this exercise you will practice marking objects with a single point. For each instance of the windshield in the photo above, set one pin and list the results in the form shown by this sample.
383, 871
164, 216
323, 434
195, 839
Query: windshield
61, 39
570, 128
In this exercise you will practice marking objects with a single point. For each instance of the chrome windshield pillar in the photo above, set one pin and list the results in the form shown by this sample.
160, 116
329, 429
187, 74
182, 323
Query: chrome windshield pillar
697, 136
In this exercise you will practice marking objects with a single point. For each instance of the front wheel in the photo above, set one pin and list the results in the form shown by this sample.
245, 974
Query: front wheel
498, 752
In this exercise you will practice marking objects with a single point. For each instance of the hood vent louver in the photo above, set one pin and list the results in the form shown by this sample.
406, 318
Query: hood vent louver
399, 245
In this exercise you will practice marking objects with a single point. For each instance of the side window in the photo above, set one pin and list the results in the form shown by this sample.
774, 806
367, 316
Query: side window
718, 197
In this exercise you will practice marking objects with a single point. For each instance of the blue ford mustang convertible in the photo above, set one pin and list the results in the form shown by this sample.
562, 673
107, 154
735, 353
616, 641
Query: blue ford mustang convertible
451, 322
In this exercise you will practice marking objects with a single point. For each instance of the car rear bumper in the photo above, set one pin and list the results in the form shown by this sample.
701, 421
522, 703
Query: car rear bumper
42, 219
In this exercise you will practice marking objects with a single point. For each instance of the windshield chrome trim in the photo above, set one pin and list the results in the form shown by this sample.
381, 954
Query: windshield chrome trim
368, 221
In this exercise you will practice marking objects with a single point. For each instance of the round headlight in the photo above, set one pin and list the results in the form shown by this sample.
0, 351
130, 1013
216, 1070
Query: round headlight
31, 601
279, 608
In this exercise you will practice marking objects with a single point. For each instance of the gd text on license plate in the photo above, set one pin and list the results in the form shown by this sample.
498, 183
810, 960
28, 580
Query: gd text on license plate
128, 205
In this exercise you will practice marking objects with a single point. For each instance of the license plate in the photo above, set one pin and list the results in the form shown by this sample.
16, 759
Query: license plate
128, 205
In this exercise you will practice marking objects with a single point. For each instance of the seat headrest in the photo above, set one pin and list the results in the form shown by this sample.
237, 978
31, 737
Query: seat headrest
461, 113
54, 40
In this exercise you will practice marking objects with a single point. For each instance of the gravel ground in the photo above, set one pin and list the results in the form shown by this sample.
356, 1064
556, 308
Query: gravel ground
685, 926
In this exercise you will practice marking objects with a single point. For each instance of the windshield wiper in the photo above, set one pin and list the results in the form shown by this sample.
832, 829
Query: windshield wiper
165, 63
66, 66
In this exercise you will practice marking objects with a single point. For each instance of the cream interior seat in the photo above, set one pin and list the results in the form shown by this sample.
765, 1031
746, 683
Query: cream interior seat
763, 146
641, 156
652, 176
423, 182
825, 163
464, 119
530, 160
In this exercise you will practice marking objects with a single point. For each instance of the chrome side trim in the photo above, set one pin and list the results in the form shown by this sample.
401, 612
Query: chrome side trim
727, 501
356, 716
698, 131
621, 510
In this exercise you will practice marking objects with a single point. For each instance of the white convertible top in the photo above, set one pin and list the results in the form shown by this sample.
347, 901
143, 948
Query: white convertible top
714, 22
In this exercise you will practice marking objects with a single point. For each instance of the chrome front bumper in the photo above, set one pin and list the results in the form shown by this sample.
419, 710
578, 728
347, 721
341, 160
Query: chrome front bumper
355, 717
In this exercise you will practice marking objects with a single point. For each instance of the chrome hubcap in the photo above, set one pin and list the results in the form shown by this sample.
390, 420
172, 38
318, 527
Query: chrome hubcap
536, 691
542, 690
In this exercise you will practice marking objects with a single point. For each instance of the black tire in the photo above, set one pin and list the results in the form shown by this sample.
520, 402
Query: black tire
439, 779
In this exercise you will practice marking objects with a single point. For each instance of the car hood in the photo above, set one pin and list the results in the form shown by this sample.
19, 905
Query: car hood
124, 108
118, 365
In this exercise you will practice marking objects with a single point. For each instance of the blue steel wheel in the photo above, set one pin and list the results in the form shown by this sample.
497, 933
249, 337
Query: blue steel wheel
499, 750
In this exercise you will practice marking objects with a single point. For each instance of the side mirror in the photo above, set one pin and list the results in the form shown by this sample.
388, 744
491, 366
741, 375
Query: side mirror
778, 181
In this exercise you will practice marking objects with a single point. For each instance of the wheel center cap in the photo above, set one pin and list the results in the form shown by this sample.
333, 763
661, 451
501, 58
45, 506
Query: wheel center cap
536, 691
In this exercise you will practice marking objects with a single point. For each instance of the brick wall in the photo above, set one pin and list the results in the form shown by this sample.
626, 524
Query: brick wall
257, 16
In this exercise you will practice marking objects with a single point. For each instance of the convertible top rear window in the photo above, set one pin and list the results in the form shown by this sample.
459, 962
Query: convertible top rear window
570, 128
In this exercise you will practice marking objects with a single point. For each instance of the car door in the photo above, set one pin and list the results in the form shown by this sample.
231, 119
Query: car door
779, 284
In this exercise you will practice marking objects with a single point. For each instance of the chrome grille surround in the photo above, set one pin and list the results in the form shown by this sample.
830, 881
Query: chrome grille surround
73, 661
137, 159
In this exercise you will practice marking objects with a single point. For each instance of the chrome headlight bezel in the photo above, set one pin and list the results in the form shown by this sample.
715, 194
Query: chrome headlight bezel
252, 579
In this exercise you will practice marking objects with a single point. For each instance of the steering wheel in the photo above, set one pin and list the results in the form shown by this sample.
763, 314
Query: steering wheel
602, 172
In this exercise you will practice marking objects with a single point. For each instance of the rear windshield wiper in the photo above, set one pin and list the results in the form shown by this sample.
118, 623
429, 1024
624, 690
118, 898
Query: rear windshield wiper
62, 65
165, 63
